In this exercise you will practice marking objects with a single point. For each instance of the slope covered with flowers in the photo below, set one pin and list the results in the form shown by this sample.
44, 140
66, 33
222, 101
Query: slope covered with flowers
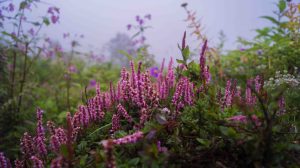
181, 117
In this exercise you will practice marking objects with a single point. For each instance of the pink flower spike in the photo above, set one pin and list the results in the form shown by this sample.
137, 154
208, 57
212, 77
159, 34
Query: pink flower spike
4, 162
238, 118
133, 138
36, 162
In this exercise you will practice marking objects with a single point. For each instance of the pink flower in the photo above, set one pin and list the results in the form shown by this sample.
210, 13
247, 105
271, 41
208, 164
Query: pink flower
238, 118
228, 94
57, 162
36, 162
115, 123
122, 111
256, 120
281, 105
27, 145
133, 138
54, 19
258, 83
161, 148
19, 164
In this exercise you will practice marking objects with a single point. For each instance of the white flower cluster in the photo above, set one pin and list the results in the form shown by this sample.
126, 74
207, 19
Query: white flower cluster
284, 78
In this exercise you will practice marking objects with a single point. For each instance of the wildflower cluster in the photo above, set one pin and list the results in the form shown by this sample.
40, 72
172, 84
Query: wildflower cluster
284, 78
136, 102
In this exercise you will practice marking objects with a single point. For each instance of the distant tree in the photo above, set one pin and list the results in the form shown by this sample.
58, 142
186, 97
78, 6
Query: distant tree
120, 43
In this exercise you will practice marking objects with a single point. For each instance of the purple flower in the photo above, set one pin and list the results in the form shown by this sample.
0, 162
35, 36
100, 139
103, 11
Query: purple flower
54, 19
72, 69
259, 52
281, 105
52, 10
148, 16
93, 83
31, 32
143, 38
13, 34
4, 162
141, 21
11, 7
66, 35
129, 26
48, 40
137, 18
154, 72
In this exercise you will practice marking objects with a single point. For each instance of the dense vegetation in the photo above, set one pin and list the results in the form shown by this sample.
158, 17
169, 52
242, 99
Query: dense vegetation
218, 109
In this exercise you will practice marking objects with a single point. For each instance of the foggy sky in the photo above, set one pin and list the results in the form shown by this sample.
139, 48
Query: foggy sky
101, 20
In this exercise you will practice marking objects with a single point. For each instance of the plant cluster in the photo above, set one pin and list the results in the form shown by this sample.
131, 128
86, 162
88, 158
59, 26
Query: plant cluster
182, 118
187, 114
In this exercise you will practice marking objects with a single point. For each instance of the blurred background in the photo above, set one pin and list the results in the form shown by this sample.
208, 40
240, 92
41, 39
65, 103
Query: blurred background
54, 52
101, 21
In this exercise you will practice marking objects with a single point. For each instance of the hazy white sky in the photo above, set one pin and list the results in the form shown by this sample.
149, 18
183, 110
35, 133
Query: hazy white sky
100, 20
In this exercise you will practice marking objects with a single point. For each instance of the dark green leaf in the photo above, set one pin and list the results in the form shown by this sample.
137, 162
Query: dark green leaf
281, 5
46, 21
23, 5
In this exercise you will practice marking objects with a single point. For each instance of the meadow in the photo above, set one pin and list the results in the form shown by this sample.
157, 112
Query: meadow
209, 108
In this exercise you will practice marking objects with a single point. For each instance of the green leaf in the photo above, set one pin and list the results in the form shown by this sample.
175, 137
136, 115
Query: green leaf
271, 19
180, 61
98, 129
281, 5
227, 131
203, 142
83, 160
23, 5
129, 57
186, 53
64, 150
46, 21
134, 161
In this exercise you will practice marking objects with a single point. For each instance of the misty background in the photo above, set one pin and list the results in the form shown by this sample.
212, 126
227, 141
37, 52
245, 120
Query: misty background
101, 21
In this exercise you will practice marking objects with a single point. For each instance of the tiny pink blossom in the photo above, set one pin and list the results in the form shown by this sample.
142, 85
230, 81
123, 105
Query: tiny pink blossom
54, 19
